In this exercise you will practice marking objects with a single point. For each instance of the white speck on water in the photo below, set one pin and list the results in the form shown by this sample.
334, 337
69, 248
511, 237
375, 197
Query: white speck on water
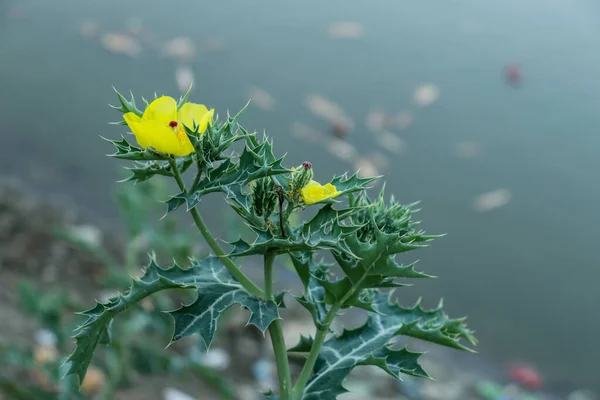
120, 43
468, 150
391, 142
181, 49
491, 200
346, 30
342, 149
366, 168
426, 95
184, 76
329, 110
261, 98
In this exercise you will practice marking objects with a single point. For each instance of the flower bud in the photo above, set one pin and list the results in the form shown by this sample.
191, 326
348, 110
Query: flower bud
302, 175
264, 198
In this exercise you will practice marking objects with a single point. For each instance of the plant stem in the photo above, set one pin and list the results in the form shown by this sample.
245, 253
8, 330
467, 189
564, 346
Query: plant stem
233, 269
320, 336
307, 369
276, 333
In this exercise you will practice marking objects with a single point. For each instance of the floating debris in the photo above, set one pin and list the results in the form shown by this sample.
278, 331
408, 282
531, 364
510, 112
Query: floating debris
217, 358
491, 200
121, 44
391, 142
261, 98
526, 376
176, 394
339, 130
346, 30
88, 28
184, 76
380, 161
426, 95
329, 110
342, 149
468, 150
513, 75
305, 132
181, 48
366, 168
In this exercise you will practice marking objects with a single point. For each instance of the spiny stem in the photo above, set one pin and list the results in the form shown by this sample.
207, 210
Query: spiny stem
203, 228
276, 333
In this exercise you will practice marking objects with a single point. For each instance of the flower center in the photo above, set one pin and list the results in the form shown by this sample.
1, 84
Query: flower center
173, 124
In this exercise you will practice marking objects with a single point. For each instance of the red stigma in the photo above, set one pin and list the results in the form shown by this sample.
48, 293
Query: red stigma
173, 124
307, 165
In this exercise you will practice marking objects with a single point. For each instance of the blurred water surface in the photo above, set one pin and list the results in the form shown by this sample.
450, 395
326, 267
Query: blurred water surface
525, 273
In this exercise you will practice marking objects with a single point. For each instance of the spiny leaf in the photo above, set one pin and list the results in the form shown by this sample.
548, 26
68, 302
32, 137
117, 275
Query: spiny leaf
144, 170
323, 231
304, 345
370, 345
208, 276
127, 151
218, 291
313, 298
126, 106
229, 176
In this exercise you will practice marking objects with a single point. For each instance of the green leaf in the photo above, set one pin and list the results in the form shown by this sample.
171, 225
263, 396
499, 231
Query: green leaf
304, 345
370, 345
207, 276
323, 231
127, 151
217, 293
126, 105
229, 176
313, 298
144, 170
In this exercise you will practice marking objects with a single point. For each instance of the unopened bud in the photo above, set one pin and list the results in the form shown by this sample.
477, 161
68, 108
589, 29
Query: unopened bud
264, 198
302, 175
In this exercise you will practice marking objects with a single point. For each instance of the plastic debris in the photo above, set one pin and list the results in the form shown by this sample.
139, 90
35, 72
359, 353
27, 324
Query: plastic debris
181, 48
339, 130
45, 337
216, 358
526, 376
468, 150
346, 30
176, 394
391, 142
305, 132
263, 373
365, 168
88, 28
426, 95
342, 149
582, 394
492, 200
184, 76
94, 380
121, 44
375, 121
329, 110
261, 98
402, 120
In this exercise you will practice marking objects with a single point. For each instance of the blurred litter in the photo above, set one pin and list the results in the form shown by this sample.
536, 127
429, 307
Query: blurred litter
261, 98
120, 43
391, 142
346, 30
426, 94
526, 376
492, 200
184, 76
329, 110
181, 49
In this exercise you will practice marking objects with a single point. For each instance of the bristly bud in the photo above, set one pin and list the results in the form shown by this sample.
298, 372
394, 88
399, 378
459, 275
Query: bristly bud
302, 175
264, 198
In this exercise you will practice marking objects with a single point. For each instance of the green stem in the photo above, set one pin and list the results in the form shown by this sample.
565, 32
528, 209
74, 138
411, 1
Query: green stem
320, 336
307, 369
233, 269
276, 333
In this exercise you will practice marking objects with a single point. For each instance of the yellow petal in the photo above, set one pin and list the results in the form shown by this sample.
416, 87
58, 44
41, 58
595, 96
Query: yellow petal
190, 113
135, 125
162, 138
314, 192
163, 109
206, 119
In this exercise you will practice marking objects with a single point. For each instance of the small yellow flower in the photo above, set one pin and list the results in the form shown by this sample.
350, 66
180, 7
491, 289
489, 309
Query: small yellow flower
314, 192
161, 126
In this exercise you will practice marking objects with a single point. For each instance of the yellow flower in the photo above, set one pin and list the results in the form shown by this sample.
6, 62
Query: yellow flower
314, 192
161, 126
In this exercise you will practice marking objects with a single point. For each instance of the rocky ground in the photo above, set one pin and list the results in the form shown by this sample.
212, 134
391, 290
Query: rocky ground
29, 250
